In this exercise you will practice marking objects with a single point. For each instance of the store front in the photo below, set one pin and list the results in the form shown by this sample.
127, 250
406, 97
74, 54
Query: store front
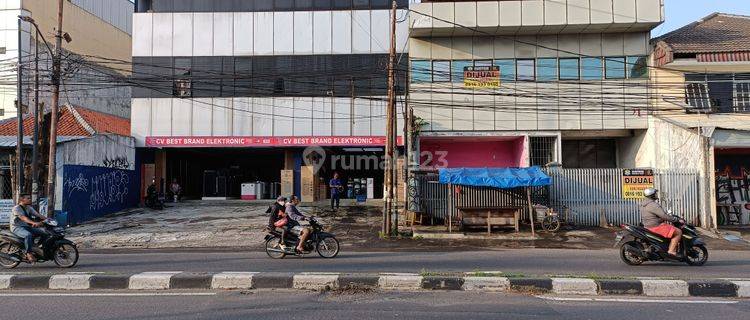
218, 167
732, 172
474, 152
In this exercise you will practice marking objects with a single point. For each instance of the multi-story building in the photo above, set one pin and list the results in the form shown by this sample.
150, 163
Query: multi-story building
100, 49
574, 82
701, 78
233, 91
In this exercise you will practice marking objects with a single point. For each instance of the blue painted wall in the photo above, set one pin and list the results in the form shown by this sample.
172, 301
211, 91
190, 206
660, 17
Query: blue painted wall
90, 192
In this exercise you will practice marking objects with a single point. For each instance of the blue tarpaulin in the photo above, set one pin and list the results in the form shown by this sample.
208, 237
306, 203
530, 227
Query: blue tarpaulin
504, 178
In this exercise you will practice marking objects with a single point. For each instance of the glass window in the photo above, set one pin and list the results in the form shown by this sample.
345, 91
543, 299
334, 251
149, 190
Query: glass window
441, 71
507, 69
323, 4
591, 68
361, 4
570, 69
483, 63
525, 70
264, 5
283, 4
637, 67
742, 97
342, 4
696, 95
420, 71
546, 69
615, 67
303, 4
457, 69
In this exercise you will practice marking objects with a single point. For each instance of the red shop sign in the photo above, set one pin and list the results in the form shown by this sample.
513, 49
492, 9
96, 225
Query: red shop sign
299, 141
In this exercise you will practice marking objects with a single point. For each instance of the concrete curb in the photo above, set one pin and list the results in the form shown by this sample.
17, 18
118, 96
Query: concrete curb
386, 281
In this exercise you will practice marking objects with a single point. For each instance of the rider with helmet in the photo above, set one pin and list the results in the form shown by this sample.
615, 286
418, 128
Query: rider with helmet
656, 220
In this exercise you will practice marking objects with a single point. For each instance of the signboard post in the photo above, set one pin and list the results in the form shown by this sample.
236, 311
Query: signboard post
634, 181
482, 77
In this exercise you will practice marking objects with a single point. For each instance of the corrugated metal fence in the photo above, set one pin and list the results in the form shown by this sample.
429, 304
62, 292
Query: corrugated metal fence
586, 193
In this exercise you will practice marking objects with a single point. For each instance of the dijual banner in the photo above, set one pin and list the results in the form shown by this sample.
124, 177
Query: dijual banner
90, 192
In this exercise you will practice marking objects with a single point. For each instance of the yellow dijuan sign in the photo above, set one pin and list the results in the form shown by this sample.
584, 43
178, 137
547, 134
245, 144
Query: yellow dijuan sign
634, 181
482, 77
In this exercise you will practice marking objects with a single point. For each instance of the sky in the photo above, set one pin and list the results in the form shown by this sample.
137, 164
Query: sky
682, 12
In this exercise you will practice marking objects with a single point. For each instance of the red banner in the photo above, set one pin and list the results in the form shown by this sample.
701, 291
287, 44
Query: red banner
300, 141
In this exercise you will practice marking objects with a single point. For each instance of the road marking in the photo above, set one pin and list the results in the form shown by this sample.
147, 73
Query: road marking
638, 300
124, 294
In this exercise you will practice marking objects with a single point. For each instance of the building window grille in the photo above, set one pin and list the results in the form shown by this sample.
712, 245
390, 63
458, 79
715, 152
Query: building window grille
696, 95
542, 150
742, 97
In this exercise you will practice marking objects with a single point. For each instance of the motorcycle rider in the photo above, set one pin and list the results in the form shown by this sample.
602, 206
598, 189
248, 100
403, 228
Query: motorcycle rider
276, 210
295, 217
656, 220
23, 225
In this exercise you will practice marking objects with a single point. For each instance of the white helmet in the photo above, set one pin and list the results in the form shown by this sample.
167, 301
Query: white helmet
649, 192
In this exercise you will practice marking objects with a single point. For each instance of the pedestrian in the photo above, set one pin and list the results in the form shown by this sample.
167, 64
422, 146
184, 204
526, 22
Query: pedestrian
336, 189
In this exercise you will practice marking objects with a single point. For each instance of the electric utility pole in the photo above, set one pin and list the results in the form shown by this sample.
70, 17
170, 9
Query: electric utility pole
19, 118
52, 172
35, 149
390, 131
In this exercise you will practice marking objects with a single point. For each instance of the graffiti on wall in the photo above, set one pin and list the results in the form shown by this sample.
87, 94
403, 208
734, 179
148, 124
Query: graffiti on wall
733, 195
116, 162
91, 192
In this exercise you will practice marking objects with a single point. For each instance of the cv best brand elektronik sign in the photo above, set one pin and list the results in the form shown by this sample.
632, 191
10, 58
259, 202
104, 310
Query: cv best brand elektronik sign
299, 141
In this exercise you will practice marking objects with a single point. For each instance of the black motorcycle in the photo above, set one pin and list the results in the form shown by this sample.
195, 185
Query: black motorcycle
154, 200
323, 242
53, 247
638, 244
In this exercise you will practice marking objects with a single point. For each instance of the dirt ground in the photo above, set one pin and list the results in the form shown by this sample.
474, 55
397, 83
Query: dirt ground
197, 224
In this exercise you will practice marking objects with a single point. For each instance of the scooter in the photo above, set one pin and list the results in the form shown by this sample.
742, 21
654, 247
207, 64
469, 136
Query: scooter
53, 247
319, 241
638, 244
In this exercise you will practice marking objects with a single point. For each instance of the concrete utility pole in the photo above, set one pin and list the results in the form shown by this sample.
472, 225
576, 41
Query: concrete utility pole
35, 148
52, 172
19, 118
390, 132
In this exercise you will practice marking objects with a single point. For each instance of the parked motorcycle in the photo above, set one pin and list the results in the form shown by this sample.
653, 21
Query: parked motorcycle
55, 248
638, 244
320, 241
153, 199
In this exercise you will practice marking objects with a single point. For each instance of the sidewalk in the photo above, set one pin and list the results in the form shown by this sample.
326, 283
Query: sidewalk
227, 224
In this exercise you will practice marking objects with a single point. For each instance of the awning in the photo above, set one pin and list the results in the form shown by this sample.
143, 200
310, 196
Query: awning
731, 138
504, 178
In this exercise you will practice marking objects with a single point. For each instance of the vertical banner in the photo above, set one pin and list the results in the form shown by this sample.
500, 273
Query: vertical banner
634, 181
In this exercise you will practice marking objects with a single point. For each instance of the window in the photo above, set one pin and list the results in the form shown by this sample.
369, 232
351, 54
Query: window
546, 69
420, 71
615, 67
361, 4
507, 69
457, 69
483, 63
182, 84
283, 4
570, 69
342, 4
589, 153
637, 67
303, 4
742, 97
322, 4
591, 68
542, 150
696, 95
441, 71
525, 69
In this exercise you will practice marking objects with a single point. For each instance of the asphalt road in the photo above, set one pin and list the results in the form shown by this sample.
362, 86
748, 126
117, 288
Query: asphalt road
332, 306
722, 264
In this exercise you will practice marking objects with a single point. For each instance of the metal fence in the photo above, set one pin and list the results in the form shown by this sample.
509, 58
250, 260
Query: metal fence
586, 194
